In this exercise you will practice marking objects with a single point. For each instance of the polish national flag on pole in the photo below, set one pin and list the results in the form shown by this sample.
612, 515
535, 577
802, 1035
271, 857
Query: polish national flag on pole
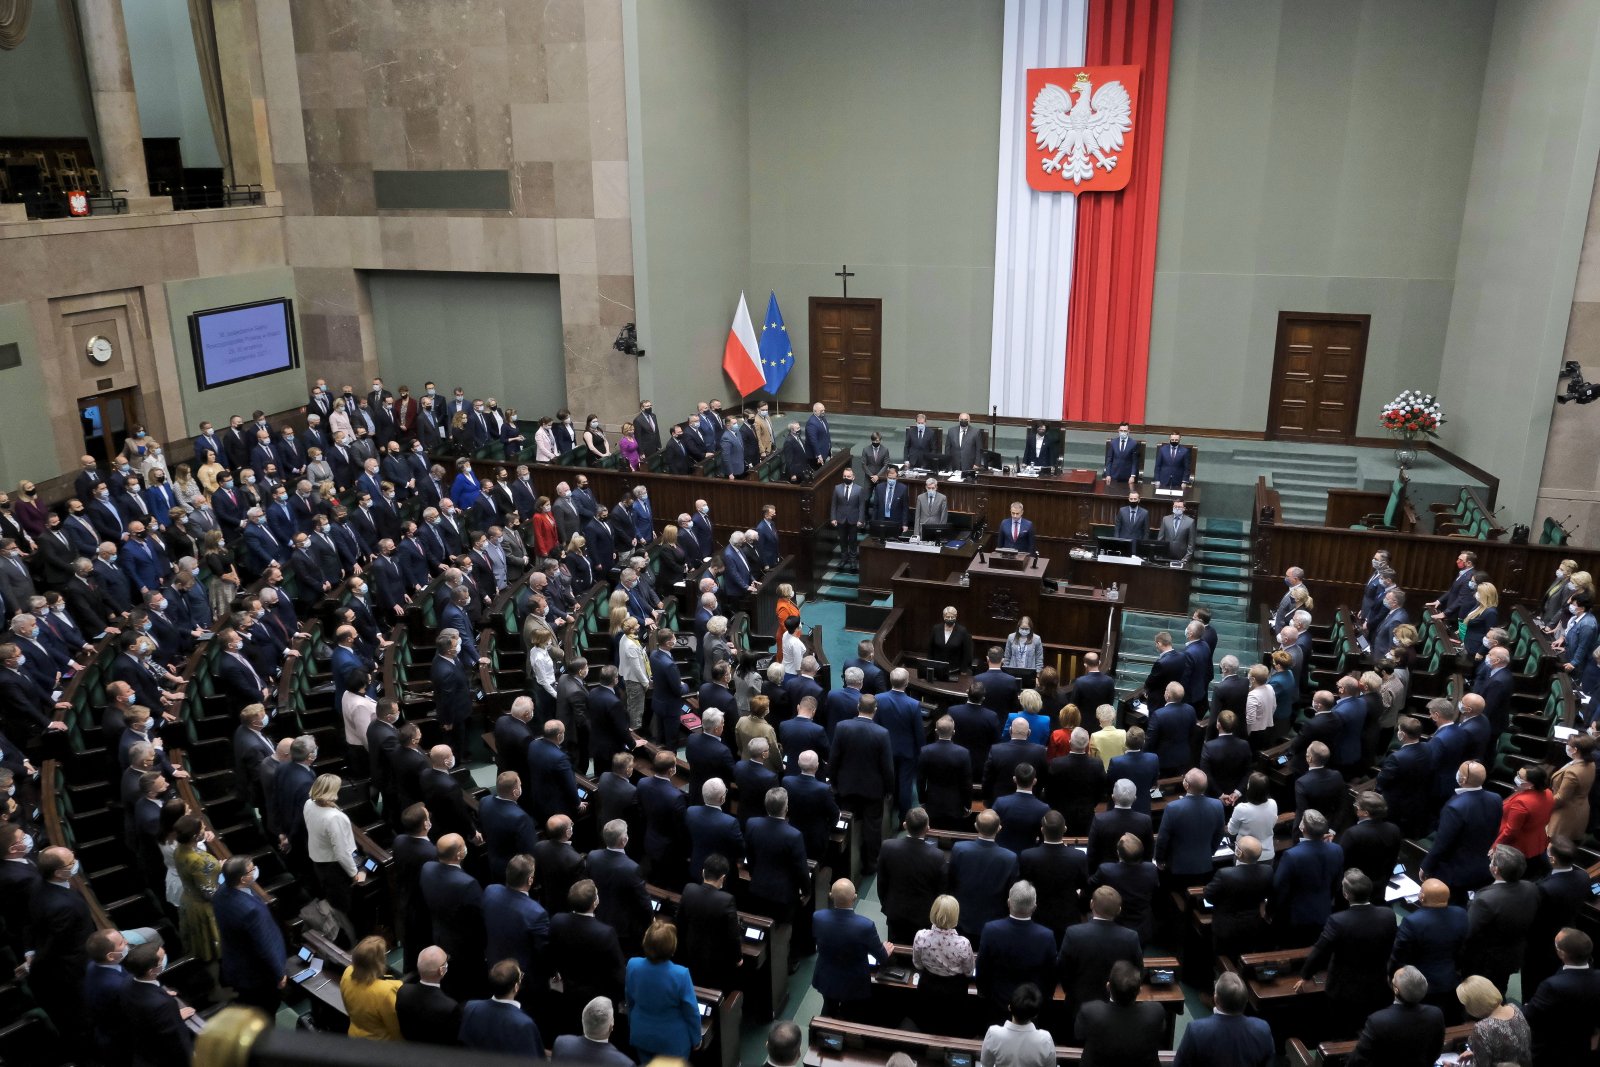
741, 356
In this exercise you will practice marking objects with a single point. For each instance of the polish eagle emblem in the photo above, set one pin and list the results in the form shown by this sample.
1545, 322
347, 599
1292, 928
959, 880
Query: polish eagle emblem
1084, 133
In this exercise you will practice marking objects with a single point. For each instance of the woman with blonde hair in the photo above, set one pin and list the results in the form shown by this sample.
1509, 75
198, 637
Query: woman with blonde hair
1475, 625
209, 472
1501, 1034
318, 469
184, 483
339, 419
369, 994
786, 606
222, 579
616, 615
1032, 709
542, 669
633, 666
946, 962
1261, 703
1108, 742
674, 565
331, 842
576, 559
1301, 597
1554, 613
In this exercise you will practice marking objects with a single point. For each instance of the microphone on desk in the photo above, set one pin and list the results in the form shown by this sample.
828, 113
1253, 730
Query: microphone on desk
1033, 561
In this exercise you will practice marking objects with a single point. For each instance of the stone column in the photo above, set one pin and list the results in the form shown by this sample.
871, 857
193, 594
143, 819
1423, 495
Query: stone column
116, 106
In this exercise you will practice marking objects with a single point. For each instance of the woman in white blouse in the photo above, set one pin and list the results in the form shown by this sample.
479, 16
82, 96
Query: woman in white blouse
1255, 815
945, 960
542, 669
332, 843
1259, 707
340, 419
358, 710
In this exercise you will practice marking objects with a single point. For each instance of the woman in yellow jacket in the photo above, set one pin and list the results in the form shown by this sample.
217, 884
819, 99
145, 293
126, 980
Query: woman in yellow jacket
368, 995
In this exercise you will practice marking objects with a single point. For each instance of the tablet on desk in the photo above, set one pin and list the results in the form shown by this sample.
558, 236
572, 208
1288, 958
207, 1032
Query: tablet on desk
754, 934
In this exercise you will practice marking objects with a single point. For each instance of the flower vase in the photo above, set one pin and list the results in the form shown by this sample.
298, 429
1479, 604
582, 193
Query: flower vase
1405, 456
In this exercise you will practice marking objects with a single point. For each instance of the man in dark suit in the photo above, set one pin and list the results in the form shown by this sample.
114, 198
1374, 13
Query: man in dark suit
708, 754
708, 927
1468, 825
944, 780
1237, 895
608, 720
507, 829
779, 876
1020, 811
454, 900
428, 1015
452, 696
1562, 893
1133, 520
1405, 780
819, 441
1321, 787
584, 951
593, 1046
1169, 667
252, 946
1292, 577
1122, 1031
1170, 732
999, 771
60, 923
412, 852
19, 878
1191, 829
1407, 1031
1226, 758
890, 501
1226, 1037
1372, 845
847, 948
862, 768
618, 798
555, 788
560, 866
1172, 464
1016, 532
1016, 950
804, 733
753, 777
1122, 459
911, 874
920, 442
901, 714
1060, 874
446, 799
624, 904
1563, 1013
1499, 919
666, 837
1093, 687
104, 985
516, 927
812, 807
711, 830
513, 732
1138, 766
999, 688
1090, 949
499, 1024
1354, 946
1432, 939
1304, 883
1135, 879
157, 1034
1121, 818
976, 727
981, 873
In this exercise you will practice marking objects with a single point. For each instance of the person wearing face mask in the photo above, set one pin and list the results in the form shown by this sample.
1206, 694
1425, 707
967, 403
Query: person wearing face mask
252, 945
963, 442
61, 923
1041, 447
19, 879
596, 448
1122, 458
1578, 641
1456, 601
1024, 648
1177, 533
646, 430
1172, 464
1468, 825
761, 427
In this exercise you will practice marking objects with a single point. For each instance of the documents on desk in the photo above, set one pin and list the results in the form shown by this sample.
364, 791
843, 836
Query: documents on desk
914, 546
1561, 733
1402, 887
1169, 492
1133, 561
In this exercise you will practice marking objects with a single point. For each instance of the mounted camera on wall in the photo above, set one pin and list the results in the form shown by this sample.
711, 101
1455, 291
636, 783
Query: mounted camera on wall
1577, 389
628, 341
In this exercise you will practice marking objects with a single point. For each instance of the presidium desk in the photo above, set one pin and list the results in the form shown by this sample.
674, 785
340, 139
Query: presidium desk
990, 591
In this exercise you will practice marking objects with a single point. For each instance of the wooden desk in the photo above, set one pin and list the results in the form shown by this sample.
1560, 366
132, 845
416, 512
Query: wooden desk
1064, 508
871, 1046
880, 560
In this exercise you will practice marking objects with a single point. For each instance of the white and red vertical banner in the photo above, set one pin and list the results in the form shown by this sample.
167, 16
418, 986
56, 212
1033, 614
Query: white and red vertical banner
1083, 116
1034, 230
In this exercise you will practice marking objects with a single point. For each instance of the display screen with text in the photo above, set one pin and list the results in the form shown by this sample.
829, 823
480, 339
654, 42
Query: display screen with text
246, 341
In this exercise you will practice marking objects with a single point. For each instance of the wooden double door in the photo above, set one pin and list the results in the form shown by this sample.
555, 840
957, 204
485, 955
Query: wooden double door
1316, 376
846, 353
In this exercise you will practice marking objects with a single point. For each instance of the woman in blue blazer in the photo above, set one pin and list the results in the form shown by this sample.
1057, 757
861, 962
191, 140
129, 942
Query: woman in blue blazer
663, 1014
466, 489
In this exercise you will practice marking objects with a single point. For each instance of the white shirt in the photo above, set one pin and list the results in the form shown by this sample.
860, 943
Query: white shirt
794, 651
329, 836
359, 710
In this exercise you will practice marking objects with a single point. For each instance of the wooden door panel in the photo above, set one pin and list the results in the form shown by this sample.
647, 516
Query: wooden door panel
846, 353
1316, 377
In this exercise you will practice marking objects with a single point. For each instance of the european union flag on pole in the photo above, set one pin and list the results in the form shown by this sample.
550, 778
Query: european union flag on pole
777, 354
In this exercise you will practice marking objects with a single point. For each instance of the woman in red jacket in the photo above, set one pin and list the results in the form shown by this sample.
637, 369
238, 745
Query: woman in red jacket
545, 537
1523, 818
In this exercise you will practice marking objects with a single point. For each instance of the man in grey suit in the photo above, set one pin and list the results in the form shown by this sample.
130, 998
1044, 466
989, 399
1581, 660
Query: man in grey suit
931, 506
849, 505
565, 513
962, 442
1177, 533
1133, 521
